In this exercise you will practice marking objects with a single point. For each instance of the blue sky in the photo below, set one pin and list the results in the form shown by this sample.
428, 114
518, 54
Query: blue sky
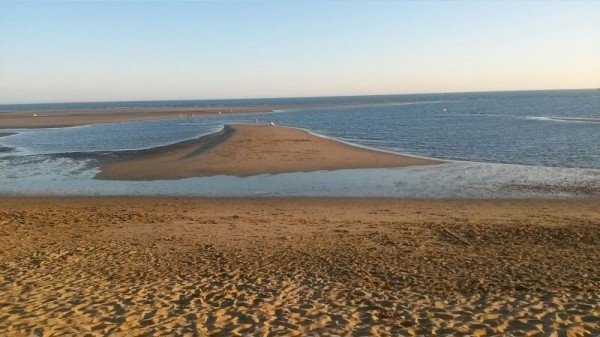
142, 50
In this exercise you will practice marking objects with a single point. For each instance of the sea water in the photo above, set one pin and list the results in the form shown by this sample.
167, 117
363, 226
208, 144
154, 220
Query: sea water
500, 144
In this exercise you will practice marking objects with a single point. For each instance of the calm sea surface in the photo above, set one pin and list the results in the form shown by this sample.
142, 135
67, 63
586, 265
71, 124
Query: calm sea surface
545, 129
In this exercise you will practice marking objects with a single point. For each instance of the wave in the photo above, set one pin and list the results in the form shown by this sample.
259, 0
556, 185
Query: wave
566, 119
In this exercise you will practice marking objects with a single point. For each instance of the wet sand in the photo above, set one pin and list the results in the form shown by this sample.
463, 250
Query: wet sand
298, 266
244, 150
64, 118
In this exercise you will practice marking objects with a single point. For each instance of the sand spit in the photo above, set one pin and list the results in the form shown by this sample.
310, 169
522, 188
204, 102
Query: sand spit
244, 150
310, 267
64, 118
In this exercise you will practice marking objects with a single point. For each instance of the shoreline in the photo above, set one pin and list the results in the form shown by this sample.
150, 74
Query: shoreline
23, 119
246, 150
234, 266
32, 119
167, 167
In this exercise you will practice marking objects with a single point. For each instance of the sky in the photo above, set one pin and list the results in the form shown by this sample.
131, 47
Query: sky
81, 51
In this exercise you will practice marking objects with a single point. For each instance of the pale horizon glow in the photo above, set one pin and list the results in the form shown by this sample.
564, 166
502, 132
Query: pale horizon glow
53, 52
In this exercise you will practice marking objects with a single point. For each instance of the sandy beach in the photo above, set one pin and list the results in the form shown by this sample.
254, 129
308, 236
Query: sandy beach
304, 267
65, 118
159, 266
244, 150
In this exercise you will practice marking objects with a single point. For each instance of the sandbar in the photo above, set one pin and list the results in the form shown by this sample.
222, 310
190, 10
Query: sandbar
66, 118
245, 150
298, 267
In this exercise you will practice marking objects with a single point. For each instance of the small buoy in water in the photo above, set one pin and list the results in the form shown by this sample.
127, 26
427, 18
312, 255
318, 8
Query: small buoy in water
444, 109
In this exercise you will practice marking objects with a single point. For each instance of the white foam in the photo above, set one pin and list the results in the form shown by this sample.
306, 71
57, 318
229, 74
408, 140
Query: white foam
566, 119
43, 175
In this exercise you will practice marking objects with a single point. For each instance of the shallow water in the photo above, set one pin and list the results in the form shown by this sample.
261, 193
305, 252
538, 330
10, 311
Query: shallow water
54, 175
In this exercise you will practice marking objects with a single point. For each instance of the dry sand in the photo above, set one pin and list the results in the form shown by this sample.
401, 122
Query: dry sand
245, 150
310, 267
63, 118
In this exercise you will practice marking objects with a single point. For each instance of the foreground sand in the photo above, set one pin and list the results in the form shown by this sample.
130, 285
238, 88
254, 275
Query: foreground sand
245, 150
311, 267
63, 118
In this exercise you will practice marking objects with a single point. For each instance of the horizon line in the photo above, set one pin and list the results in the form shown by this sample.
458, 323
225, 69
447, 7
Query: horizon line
291, 97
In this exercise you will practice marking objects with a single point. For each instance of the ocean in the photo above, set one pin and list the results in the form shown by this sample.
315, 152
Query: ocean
497, 144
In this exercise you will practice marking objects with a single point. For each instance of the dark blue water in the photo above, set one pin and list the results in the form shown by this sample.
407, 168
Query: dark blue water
309, 101
542, 128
